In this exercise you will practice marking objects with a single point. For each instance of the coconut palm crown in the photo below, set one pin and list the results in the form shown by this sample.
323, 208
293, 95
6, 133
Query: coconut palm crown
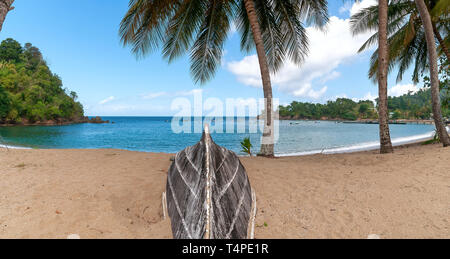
407, 43
201, 27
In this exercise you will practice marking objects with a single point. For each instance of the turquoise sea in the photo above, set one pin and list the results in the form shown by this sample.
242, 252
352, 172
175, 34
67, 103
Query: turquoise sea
154, 134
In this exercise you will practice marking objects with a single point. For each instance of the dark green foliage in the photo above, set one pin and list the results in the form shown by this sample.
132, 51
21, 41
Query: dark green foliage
10, 50
444, 77
411, 106
29, 91
246, 146
5, 103
408, 106
342, 108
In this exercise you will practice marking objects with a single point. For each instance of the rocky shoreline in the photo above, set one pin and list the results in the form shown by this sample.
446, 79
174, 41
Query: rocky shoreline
95, 120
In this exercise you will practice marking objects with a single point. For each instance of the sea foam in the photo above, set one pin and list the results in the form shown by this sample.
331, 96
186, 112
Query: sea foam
368, 146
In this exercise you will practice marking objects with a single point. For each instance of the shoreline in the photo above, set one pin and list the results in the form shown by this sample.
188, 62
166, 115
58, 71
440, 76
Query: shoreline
50, 123
355, 148
365, 147
369, 121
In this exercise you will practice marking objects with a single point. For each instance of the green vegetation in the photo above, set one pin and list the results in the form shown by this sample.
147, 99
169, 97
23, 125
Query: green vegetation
29, 91
246, 146
435, 140
407, 43
409, 106
342, 109
413, 106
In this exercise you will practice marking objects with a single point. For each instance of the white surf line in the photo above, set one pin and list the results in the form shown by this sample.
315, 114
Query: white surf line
13, 147
368, 146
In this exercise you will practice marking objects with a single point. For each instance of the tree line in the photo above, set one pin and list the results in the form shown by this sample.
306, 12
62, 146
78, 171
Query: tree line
29, 91
412, 106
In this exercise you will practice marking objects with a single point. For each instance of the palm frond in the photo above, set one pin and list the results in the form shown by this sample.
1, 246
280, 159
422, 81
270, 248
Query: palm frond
314, 12
206, 53
295, 39
393, 27
182, 28
367, 19
271, 34
243, 26
144, 24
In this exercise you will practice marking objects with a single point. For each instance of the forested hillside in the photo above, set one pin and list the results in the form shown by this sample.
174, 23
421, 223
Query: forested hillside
409, 106
29, 92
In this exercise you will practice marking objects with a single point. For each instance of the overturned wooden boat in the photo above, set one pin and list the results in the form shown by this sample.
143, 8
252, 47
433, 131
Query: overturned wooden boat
208, 194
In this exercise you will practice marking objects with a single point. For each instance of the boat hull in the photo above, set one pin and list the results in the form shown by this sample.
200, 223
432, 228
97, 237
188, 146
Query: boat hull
209, 194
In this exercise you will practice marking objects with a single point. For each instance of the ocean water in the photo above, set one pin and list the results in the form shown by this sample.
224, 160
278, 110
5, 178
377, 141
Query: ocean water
154, 134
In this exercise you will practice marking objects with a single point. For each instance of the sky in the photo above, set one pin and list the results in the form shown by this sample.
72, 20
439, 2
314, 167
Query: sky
80, 41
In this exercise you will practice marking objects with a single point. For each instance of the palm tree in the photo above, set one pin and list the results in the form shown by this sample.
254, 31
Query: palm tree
383, 53
5, 7
382, 70
273, 27
434, 72
407, 39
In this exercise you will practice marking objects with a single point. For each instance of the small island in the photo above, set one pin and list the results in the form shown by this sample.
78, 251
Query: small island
30, 94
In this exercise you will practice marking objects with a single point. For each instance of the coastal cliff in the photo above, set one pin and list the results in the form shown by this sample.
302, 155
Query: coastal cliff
30, 94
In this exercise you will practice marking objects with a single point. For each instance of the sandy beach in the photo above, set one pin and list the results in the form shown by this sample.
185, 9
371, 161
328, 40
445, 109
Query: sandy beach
117, 194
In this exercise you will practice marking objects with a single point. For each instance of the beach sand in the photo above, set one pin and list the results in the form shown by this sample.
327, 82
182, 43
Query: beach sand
117, 194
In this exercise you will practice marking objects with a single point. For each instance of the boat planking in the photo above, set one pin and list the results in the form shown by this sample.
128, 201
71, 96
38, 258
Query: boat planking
208, 194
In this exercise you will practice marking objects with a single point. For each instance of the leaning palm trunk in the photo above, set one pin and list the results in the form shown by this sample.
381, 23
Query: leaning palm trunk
434, 73
267, 145
441, 41
5, 7
385, 136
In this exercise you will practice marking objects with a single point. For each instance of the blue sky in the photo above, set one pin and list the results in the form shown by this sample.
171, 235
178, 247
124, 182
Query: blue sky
80, 41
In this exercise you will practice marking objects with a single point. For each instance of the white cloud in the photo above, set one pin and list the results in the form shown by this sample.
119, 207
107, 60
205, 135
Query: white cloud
189, 93
328, 50
331, 76
233, 28
394, 91
400, 90
339, 96
361, 5
346, 7
107, 100
150, 96
317, 94
369, 96
120, 108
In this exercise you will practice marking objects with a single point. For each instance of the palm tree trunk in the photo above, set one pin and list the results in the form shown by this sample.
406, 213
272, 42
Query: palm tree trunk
5, 7
434, 73
383, 50
267, 144
441, 41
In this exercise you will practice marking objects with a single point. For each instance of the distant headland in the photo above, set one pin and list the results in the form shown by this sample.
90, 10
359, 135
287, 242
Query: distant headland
30, 94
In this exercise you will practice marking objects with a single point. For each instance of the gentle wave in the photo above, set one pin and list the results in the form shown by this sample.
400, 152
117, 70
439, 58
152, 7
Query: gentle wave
13, 147
368, 146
